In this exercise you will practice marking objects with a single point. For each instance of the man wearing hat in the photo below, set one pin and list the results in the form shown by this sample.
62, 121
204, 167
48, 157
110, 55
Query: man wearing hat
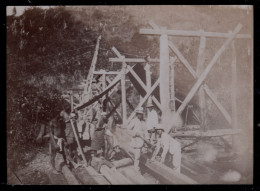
138, 131
152, 119
169, 145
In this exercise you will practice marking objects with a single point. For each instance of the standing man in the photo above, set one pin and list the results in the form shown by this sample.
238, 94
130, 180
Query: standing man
152, 119
138, 132
151, 122
69, 135
98, 141
169, 145
57, 141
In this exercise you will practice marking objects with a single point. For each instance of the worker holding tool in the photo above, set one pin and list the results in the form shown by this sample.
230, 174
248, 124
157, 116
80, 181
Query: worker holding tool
138, 131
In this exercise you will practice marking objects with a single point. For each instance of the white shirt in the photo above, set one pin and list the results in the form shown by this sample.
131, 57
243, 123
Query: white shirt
152, 119
168, 144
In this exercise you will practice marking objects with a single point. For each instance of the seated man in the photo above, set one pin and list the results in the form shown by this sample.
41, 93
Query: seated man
169, 145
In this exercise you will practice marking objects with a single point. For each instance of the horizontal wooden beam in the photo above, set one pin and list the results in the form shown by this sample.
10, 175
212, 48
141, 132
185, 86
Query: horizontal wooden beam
218, 104
190, 33
209, 133
107, 73
134, 60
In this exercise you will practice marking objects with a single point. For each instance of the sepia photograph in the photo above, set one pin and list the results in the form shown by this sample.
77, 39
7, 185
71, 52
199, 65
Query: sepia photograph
129, 95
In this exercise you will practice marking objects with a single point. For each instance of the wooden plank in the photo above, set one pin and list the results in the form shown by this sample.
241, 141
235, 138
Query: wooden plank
219, 106
87, 88
144, 86
207, 70
117, 53
114, 176
164, 77
99, 178
172, 90
89, 179
123, 94
114, 109
182, 59
234, 84
133, 60
195, 75
144, 99
71, 102
69, 176
130, 105
123, 162
201, 93
153, 25
130, 173
78, 143
190, 33
107, 73
209, 133
165, 174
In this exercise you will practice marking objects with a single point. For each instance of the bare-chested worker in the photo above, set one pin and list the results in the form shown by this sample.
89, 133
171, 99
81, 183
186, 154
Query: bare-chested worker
57, 141
69, 135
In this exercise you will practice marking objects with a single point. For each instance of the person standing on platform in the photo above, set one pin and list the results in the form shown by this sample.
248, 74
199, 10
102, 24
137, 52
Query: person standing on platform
138, 132
151, 122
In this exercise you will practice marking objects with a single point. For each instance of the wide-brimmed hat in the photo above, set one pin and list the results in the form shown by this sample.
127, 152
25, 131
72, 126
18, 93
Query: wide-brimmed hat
149, 104
139, 110
159, 127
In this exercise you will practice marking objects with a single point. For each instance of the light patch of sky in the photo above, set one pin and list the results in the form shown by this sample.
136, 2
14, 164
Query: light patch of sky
20, 9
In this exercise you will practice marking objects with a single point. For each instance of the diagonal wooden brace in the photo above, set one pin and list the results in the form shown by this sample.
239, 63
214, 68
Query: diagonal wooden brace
144, 99
144, 86
207, 70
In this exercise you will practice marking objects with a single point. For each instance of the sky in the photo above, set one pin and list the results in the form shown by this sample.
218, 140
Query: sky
20, 9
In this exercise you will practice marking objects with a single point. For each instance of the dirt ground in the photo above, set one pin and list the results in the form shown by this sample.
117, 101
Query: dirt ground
37, 171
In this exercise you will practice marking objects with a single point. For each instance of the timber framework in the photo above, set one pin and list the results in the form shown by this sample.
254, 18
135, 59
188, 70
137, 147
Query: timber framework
91, 96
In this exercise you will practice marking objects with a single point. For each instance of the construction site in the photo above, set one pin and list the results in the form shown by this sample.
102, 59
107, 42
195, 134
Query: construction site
201, 103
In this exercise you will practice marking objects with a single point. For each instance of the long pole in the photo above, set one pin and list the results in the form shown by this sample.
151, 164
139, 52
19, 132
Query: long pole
164, 76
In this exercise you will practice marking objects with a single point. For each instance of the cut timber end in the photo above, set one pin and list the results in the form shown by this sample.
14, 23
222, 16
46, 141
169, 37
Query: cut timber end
71, 179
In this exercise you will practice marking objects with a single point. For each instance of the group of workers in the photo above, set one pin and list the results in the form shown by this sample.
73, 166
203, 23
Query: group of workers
152, 133
97, 139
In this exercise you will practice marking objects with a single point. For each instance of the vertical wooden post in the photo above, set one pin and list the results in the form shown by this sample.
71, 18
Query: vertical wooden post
201, 93
164, 76
234, 84
123, 94
148, 79
103, 82
71, 102
172, 91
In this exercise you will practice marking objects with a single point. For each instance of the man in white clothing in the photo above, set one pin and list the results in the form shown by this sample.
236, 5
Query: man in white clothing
137, 126
151, 121
169, 145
